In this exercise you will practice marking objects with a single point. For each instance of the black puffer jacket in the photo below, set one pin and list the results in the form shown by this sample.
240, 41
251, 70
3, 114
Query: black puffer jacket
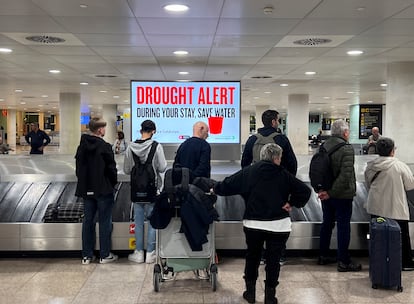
265, 187
95, 167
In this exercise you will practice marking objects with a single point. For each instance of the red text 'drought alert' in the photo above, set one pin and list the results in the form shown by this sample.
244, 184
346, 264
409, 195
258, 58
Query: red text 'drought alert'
186, 95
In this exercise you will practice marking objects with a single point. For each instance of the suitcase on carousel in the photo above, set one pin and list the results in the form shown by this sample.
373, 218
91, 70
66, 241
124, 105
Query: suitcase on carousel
385, 254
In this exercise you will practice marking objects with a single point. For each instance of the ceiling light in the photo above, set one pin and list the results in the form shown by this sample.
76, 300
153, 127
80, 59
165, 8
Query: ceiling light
310, 73
267, 92
284, 85
383, 84
18, 90
370, 101
44, 96
83, 83
102, 91
83, 5
350, 92
5, 50
355, 52
326, 97
176, 8
22, 102
126, 101
115, 96
180, 53
1, 99
361, 8
183, 73
54, 71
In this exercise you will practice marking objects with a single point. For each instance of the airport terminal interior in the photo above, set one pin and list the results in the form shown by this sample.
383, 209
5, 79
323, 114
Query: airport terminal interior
314, 61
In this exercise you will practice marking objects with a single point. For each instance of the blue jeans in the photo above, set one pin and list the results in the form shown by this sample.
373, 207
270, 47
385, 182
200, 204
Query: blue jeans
102, 205
275, 244
141, 212
339, 210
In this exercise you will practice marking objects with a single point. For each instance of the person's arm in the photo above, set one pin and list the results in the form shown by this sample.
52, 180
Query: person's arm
247, 156
299, 192
161, 162
231, 185
289, 161
27, 138
204, 167
46, 139
128, 161
110, 165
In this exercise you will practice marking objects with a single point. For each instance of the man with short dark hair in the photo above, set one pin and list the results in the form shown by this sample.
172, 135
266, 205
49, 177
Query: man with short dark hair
270, 119
37, 139
97, 176
337, 201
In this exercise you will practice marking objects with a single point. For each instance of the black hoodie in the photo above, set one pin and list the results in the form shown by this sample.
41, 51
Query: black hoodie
95, 167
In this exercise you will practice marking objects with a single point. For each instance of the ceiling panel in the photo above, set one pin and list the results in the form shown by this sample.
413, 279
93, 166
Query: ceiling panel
99, 25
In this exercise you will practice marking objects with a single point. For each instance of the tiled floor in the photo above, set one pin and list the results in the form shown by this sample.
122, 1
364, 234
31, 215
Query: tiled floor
65, 280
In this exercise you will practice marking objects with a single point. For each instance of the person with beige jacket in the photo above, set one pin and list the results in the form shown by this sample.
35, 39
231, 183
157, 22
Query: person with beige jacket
387, 180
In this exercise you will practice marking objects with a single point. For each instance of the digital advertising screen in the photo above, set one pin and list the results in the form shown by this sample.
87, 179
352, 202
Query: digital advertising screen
176, 106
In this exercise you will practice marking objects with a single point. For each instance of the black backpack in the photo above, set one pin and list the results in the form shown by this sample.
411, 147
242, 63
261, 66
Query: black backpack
143, 179
320, 171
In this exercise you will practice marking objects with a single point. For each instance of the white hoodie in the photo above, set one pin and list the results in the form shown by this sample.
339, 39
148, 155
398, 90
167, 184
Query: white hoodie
141, 148
386, 196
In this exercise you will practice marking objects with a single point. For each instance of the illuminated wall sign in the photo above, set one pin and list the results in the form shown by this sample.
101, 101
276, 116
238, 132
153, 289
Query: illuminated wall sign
369, 116
176, 106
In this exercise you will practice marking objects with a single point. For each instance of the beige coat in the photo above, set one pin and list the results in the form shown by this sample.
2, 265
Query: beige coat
386, 196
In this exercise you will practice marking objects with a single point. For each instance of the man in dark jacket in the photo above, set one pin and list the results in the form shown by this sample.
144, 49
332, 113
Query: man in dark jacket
195, 152
269, 191
337, 201
270, 119
37, 139
97, 175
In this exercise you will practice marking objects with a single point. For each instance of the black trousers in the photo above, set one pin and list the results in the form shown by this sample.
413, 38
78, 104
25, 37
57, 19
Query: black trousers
275, 243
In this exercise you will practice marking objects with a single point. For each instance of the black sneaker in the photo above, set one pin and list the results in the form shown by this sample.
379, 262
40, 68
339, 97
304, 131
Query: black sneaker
342, 267
323, 260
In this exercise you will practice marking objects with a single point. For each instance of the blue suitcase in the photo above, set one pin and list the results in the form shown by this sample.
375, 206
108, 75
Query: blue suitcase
385, 254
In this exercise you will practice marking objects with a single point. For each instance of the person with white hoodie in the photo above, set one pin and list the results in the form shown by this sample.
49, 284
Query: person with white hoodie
142, 210
387, 180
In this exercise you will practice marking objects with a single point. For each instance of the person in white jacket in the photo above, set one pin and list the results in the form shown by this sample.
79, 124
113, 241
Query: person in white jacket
387, 180
142, 210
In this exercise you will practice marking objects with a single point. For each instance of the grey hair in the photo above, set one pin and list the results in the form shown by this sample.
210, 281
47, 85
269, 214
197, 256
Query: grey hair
339, 127
270, 151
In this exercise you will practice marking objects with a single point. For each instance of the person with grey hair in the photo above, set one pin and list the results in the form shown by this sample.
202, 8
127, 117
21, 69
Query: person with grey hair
97, 176
269, 192
387, 180
337, 201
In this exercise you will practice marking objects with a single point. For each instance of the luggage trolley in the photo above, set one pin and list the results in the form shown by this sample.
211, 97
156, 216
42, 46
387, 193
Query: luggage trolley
174, 254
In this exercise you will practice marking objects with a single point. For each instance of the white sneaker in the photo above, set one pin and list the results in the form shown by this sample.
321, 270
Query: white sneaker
109, 259
150, 257
88, 260
137, 256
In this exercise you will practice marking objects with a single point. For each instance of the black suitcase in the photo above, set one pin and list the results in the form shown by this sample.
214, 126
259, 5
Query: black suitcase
385, 254
64, 213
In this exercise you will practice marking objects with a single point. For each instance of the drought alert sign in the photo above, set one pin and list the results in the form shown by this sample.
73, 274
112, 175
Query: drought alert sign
176, 106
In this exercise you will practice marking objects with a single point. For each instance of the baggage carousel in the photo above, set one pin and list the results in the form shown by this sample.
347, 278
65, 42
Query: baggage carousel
28, 184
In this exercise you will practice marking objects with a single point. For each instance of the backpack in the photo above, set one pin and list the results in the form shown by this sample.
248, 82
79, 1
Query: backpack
260, 142
143, 179
320, 171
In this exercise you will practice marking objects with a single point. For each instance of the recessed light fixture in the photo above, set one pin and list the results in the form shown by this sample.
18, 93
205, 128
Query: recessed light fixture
355, 52
326, 97
83, 83
44, 96
18, 90
1, 99
370, 101
310, 73
102, 91
126, 101
284, 85
180, 53
22, 102
361, 8
267, 92
176, 8
183, 73
115, 96
83, 5
54, 71
350, 92
384, 84
5, 50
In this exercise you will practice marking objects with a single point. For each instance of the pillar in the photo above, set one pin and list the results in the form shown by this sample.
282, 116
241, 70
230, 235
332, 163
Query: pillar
400, 108
70, 129
127, 124
244, 126
354, 125
298, 122
109, 115
11, 130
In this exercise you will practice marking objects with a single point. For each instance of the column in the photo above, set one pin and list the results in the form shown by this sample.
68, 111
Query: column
109, 115
354, 125
70, 129
298, 122
11, 130
400, 108
127, 125
244, 126
258, 114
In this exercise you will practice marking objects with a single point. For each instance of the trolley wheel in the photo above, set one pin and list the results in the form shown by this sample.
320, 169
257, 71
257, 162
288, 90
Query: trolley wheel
157, 277
400, 288
213, 277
